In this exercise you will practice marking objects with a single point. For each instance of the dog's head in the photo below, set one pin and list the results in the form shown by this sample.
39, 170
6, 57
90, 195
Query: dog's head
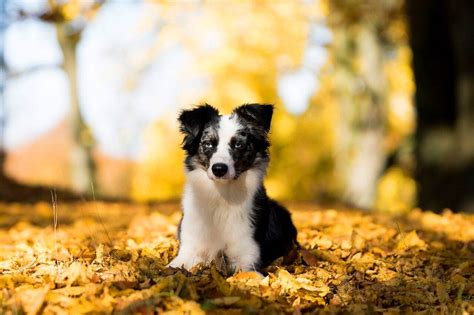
226, 146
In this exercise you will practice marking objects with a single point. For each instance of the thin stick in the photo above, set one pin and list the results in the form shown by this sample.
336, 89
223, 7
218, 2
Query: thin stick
98, 214
54, 200
91, 235
402, 235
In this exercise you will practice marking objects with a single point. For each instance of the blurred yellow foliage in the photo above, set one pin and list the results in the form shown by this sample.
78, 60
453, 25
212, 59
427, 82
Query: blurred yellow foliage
401, 111
267, 37
159, 175
71, 9
396, 192
302, 165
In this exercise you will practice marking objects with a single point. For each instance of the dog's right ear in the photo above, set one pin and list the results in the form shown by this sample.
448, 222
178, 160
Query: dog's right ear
192, 123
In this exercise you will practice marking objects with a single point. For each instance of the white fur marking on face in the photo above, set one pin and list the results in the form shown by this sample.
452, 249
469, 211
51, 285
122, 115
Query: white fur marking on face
228, 127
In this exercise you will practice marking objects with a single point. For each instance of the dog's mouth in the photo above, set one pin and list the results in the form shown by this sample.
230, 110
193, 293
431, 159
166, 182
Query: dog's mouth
221, 180
226, 178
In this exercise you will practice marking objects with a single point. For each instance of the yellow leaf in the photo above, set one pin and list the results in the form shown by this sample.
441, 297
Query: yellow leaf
410, 240
32, 299
222, 285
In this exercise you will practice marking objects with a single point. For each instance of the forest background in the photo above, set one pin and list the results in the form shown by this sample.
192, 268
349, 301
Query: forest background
374, 99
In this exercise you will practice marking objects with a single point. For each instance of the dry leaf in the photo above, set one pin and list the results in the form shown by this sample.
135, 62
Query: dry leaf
32, 299
410, 240
309, 258
364, 275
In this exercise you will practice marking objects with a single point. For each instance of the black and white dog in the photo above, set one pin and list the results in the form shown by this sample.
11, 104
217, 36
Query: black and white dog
226, 210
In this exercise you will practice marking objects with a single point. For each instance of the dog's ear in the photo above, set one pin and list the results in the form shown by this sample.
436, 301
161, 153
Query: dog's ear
192, 123
258, 115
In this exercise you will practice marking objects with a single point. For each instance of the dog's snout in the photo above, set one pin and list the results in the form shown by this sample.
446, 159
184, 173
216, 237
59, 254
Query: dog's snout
219, 169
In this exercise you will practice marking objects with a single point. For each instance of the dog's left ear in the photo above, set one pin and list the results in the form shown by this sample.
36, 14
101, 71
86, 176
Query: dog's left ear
259, 115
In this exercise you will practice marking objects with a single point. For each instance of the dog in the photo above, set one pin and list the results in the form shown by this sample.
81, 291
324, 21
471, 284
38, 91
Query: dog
226, 210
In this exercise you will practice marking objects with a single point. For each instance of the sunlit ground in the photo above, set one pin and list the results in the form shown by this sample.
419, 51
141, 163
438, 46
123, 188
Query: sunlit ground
111, 258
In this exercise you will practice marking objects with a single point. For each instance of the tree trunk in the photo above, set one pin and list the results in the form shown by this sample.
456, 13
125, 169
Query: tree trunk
82, 162
3, 74
360, 94
442, 40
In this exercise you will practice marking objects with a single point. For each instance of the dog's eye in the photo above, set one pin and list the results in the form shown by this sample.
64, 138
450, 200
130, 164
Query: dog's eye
208, 145
238, 145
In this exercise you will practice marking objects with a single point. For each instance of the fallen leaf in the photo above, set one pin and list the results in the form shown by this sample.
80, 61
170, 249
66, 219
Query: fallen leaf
410, 240
309, 258
220, 282
32, 299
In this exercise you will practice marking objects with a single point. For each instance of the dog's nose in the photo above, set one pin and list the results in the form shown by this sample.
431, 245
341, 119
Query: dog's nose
219, 169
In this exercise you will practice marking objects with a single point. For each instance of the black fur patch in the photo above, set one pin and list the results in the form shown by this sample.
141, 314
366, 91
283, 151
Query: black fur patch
257, 115
193, 124
274, 230
253, 137
247, 151
208, 144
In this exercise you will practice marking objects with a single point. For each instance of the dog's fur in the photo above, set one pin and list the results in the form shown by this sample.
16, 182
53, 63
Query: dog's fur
226, 210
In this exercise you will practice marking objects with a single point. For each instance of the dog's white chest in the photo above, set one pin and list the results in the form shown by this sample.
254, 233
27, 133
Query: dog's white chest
218, 219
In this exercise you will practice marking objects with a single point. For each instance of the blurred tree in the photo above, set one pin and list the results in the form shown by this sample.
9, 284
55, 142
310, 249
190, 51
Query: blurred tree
3, 75
366, 36
3, 26
10, 189
70, 19
442, 39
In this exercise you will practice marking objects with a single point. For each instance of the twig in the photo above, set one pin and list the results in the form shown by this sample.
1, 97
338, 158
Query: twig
91, 235
99, 216
54, 200
402, 235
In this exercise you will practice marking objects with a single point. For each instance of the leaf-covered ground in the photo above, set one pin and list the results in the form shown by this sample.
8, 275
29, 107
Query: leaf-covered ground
110, 258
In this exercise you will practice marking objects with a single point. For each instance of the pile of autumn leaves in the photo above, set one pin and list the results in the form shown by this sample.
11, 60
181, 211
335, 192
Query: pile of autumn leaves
112, 257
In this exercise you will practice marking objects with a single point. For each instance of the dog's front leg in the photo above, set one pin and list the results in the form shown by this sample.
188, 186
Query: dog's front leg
196, 244
244, 255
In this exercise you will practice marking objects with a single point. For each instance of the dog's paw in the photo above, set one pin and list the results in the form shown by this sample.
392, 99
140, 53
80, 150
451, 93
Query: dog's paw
178, 262
182, 261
